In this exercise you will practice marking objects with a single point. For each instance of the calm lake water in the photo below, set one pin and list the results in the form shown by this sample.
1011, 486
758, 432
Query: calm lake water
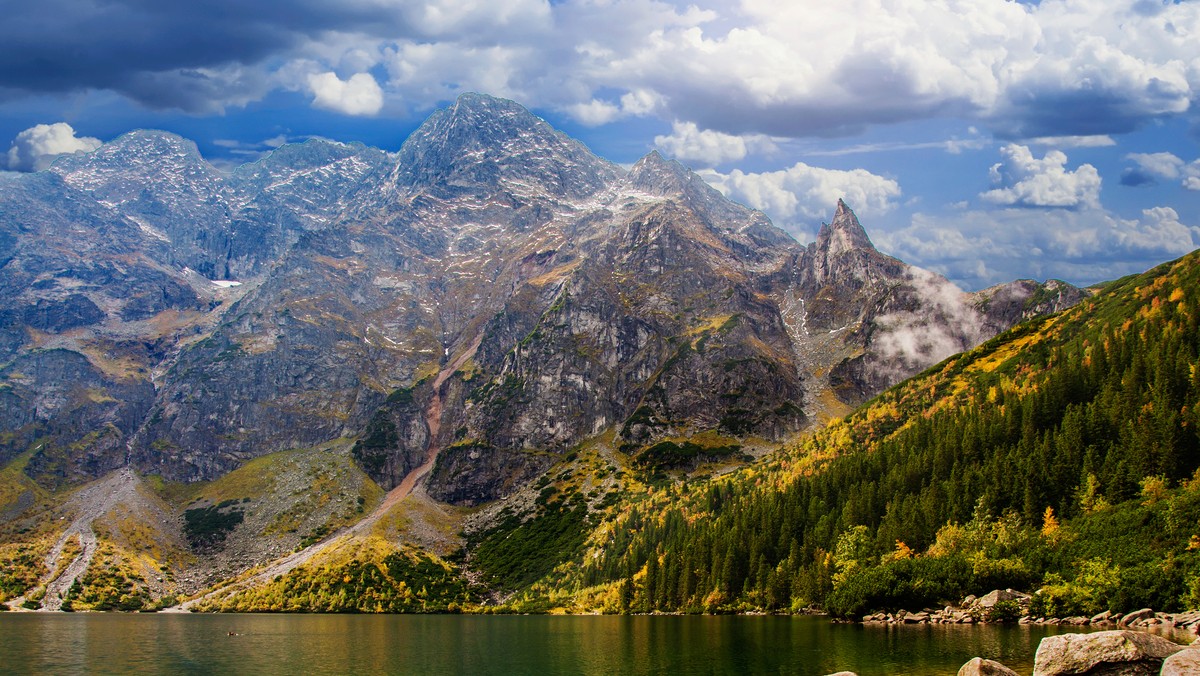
300, 645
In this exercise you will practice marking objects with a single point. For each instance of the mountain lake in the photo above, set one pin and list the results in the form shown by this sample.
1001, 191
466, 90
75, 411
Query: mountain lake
173, 643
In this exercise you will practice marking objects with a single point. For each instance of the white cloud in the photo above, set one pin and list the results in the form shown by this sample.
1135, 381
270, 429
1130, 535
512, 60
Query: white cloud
689, 143
799, 69
980, 248
1094, 141
756, 66
1192, 182
1024, 180
912, 339
37, 147
359, 95
953, 146
640, 102
1191, 176
1161, 165
428, 73
594, 112
796, 196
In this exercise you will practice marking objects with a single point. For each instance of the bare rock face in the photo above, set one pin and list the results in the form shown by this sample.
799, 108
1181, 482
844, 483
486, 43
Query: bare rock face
493, 294
981, 667
1007, 304
1116, 653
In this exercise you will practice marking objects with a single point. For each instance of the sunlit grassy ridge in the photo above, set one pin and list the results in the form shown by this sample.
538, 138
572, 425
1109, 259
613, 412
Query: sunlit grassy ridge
358, 575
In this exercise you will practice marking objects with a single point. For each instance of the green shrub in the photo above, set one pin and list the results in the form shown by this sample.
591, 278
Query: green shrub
1092, 591
1003, 611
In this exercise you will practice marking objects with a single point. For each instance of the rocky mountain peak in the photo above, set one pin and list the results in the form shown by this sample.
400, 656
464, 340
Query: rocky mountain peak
658, 175
482, 144
119, 170
136, 148
843, 234
663, 177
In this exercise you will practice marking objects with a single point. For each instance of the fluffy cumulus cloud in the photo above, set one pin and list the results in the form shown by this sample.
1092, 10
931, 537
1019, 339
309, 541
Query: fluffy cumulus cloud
37, 147
1024, 180
798, 196
1192, 180
691, 144
1027, 69
358, 95
1082, 68
1150, 168
980, 248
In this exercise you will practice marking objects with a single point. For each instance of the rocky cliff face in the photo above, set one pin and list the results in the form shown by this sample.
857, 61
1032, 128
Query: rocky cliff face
493, 294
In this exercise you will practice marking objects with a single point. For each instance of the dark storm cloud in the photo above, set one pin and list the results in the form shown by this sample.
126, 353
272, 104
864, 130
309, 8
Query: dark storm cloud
1074, 112
154, 51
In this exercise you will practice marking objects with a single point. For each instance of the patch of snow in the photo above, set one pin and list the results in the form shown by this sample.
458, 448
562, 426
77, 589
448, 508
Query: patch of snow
224, 283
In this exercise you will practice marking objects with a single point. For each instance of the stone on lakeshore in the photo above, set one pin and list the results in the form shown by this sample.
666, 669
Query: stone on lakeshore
1187, 619
1101, 617
982, 667
1076, 621
1135, 616
1182, 663
996, 596
1113, 653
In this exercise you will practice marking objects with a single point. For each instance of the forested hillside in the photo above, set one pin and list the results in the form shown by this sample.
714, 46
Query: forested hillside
1061, 455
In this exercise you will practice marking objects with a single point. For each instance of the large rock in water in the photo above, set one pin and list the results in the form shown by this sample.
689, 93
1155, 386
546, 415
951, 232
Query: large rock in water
1111, 653
982, 667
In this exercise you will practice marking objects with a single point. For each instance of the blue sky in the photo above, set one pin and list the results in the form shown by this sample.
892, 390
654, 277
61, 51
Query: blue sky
983, 139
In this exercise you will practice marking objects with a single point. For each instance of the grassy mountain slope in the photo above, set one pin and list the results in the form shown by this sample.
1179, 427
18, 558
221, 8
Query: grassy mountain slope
1061, 455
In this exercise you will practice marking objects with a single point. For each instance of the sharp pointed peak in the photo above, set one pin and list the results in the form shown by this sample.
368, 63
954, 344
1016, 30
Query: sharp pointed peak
844, 232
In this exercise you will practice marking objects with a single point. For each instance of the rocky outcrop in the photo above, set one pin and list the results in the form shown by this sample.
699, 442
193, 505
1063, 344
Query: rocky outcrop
1005, 305
981, 667
1116, 653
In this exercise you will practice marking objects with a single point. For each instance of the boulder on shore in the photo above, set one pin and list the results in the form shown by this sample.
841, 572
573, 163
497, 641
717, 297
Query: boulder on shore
996, 596
1113, 653
1130, 618
1182, 663
982, 667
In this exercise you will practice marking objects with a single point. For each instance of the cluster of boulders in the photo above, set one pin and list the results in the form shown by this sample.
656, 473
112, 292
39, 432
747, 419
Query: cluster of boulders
1006, 605
1145, 618
1119, 652
989, 608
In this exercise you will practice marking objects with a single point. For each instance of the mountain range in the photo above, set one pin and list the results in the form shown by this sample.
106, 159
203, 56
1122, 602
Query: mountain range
457, 317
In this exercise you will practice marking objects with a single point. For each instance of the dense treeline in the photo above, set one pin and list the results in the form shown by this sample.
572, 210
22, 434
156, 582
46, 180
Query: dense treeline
998, 468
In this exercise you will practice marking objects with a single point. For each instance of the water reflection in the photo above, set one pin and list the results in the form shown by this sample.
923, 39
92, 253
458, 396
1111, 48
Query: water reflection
356, 644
